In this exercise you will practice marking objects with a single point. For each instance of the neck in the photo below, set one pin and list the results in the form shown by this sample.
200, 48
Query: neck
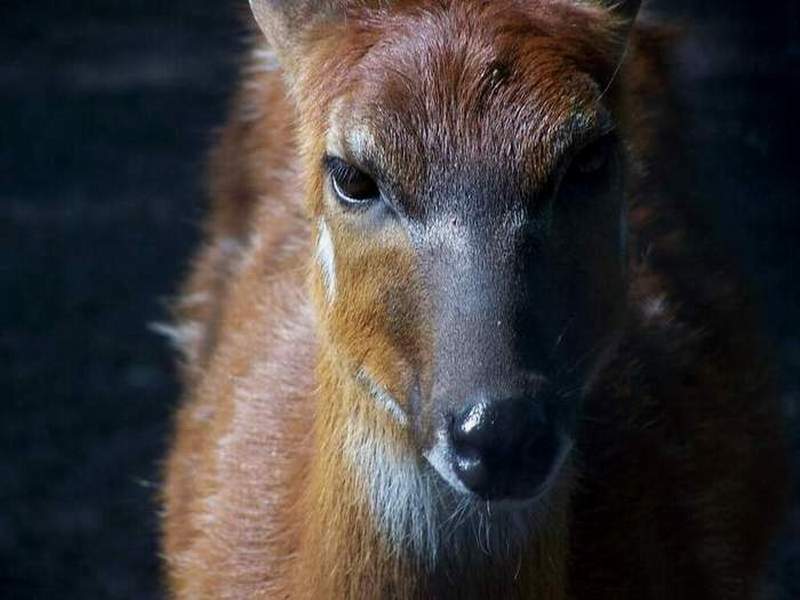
378, 517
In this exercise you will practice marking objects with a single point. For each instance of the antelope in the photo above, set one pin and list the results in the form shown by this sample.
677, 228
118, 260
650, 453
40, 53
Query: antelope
457, 330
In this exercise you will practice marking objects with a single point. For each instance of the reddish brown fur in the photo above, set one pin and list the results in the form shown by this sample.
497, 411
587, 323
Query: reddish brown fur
680, 480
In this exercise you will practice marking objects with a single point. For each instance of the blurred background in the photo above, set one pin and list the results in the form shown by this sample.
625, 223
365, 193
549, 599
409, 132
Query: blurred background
107, 110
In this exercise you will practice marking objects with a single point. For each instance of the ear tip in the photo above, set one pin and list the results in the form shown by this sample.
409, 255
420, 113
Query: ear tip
618, 8
622, 13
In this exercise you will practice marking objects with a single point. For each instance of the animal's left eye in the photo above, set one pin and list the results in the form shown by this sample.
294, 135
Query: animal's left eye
352, 187
594, 158
591, 171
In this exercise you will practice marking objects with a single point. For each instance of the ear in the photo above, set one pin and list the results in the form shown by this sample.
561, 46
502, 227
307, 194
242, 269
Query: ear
622, 16
624, 11
624, 8
284, 22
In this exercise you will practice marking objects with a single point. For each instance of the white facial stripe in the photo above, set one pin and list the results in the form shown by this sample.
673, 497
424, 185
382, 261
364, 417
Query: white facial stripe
383, 398
327, 260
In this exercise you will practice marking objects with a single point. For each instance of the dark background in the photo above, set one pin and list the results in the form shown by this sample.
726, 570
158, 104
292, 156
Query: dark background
106, 111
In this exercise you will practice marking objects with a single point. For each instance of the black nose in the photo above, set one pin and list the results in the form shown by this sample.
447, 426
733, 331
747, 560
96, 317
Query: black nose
504, 449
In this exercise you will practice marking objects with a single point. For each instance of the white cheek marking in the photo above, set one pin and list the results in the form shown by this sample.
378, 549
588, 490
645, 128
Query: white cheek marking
403, 499
417, 512
327, 260
382, 398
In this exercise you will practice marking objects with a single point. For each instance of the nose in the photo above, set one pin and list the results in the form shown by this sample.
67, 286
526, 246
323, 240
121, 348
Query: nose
504, 449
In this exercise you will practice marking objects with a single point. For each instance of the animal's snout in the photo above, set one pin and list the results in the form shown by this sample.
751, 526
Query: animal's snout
505, 448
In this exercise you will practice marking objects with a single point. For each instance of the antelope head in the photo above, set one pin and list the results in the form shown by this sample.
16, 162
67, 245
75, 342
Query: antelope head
466, 178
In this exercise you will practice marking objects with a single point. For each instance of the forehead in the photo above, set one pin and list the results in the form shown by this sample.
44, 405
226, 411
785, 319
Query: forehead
461, 84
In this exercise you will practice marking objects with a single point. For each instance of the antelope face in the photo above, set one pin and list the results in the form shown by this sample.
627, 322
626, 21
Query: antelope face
470, 240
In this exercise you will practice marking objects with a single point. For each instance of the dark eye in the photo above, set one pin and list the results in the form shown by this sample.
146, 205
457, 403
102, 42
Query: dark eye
593, 160
352, 186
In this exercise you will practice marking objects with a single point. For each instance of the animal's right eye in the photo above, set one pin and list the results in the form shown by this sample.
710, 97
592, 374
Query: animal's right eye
352, 187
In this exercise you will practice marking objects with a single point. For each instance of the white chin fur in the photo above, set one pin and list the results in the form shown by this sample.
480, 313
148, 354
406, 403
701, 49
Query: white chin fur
421, 507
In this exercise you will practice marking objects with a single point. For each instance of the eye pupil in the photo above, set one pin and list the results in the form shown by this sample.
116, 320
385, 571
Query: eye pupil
351, 185
592, 159
591, 169
356, 186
